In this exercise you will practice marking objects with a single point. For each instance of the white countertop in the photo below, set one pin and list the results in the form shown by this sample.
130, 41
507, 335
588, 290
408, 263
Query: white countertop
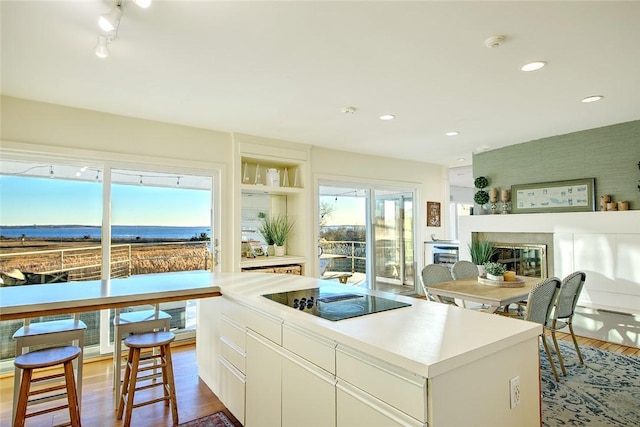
69, 297
427, 338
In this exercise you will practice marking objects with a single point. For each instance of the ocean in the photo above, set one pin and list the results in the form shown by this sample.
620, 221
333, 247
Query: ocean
117, 232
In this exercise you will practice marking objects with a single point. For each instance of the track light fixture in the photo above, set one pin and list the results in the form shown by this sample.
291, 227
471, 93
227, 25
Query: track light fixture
142, 3
101, 49
109, 22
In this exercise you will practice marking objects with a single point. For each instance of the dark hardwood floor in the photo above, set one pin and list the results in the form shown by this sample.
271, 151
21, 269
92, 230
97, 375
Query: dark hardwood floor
195, 400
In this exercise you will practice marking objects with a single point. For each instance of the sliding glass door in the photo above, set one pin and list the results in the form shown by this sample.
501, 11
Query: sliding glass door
366, 236
394, 242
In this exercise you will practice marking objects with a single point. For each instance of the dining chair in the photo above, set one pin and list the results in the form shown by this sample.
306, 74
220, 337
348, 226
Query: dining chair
565, 306
436, 273
464, 270
540, 303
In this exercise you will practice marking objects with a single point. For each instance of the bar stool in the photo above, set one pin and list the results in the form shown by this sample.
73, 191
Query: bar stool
47, 358
134, 322
51, 333
136, 343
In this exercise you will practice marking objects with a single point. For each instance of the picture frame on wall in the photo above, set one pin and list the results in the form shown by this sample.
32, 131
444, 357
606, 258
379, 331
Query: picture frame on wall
577, 195
433, 214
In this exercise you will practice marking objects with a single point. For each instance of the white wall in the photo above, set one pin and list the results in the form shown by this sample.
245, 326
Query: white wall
54, 130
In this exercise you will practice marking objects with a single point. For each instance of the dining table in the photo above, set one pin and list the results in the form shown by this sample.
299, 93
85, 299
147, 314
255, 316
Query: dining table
27, 301
493, 296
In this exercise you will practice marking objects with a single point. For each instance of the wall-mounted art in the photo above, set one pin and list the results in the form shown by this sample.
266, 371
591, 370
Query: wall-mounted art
433, 214
576, 195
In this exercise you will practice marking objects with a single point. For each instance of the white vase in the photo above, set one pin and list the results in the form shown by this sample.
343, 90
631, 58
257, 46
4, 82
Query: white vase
492, 277
270, 250
279, 250
481, 270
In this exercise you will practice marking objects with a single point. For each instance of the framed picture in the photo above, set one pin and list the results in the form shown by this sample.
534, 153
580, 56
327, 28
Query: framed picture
433, 214
576, 195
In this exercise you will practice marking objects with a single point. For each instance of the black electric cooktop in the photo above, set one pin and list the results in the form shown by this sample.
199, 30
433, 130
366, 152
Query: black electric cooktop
334, 303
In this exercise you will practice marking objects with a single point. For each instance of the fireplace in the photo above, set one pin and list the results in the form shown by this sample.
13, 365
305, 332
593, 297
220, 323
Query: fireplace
525, 259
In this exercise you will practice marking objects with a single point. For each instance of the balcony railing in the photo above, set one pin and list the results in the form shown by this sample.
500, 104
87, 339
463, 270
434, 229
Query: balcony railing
354, 252
85, 263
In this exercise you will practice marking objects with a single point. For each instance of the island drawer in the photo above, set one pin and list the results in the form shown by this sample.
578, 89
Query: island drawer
268, 326
233, 332
264, 324
315, 349
392, 384
233, 354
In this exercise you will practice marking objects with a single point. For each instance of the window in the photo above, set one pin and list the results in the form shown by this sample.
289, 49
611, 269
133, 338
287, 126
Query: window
51, 230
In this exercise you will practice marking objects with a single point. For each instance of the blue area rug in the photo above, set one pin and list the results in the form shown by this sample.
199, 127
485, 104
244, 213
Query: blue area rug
603, 392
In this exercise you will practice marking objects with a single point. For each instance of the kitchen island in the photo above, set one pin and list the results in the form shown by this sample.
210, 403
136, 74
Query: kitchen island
423, 364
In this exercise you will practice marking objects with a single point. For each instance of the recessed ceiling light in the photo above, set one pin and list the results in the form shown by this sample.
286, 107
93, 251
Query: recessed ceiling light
592, 98
452, 133
387, 117
533, 66
348, 110
461, 159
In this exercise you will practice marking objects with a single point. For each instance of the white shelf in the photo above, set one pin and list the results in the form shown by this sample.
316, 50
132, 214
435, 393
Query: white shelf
264, 189
272, 261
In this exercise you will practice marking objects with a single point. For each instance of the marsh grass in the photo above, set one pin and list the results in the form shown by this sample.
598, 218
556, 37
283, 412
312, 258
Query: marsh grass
82, 259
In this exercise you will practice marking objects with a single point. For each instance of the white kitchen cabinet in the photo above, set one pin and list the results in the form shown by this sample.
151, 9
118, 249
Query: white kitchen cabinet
264, 386
357, 408
301, 371
232, 389
232, 365
397, 387
308, 394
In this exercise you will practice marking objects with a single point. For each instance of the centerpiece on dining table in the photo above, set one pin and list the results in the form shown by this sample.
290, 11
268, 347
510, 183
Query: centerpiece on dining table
498, 275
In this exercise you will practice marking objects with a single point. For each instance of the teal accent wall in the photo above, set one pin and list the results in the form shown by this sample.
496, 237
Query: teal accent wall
609, 154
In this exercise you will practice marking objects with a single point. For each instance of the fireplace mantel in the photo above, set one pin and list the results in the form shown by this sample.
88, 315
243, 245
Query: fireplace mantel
606, 245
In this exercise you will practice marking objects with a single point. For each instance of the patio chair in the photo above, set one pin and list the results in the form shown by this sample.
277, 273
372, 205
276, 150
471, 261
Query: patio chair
565, 306
436, 273
540, 303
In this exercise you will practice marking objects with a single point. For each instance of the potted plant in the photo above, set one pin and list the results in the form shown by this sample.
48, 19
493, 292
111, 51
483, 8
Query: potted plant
481, 251
276, 229
267, 231
495, 270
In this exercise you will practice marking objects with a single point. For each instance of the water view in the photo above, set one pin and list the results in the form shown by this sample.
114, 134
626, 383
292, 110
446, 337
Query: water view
94, 232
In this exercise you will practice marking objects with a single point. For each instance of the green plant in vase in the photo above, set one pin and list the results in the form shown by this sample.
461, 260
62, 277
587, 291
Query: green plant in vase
481, 251
277, 228
495, 270
267, 232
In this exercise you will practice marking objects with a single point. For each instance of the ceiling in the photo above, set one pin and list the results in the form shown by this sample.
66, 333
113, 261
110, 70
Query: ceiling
286, 70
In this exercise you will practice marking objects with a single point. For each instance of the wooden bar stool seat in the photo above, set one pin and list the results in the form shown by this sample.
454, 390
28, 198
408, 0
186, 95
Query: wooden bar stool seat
128, 323
50, 333
47, 358
162, 341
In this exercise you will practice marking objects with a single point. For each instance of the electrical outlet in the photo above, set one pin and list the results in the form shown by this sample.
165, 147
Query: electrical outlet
514, 386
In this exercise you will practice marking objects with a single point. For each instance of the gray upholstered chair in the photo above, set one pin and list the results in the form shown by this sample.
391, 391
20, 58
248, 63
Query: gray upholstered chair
565, 306
540, 303
464, 270
436, 273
